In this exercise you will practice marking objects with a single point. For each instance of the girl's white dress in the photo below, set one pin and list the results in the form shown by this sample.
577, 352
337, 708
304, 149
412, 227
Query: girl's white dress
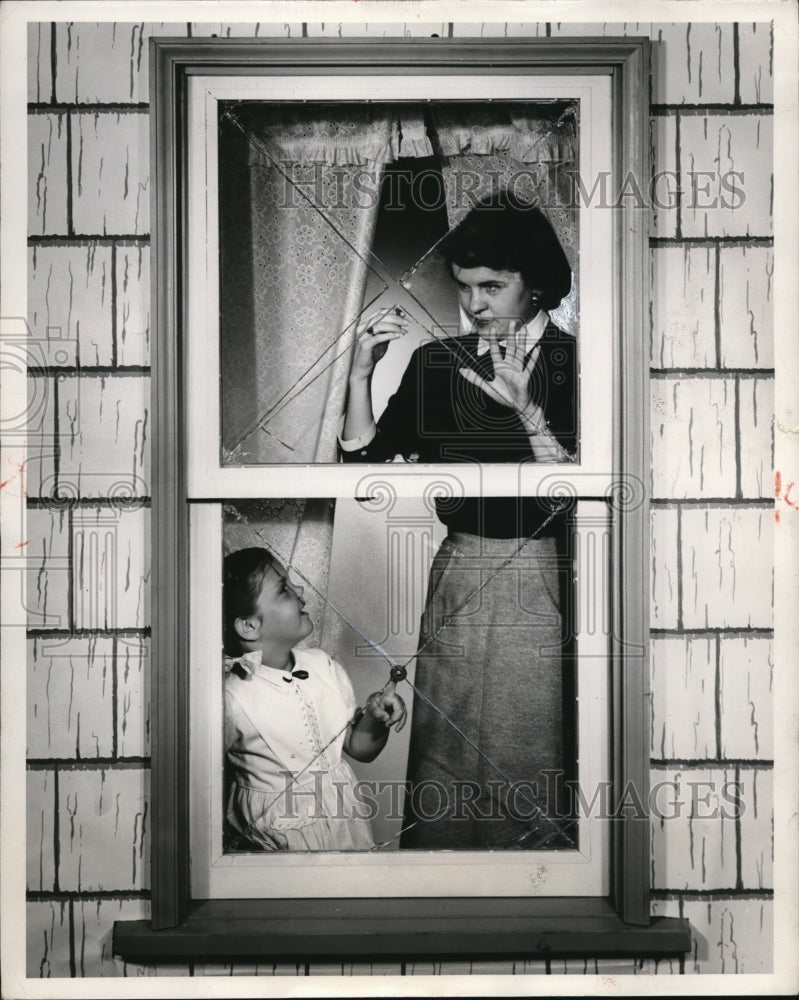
290, 789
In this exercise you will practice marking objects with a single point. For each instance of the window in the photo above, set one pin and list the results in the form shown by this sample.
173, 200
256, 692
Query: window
241, 128
298, 267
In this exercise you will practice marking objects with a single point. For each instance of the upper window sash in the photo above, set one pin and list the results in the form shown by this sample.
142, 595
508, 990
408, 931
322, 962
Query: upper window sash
592, 475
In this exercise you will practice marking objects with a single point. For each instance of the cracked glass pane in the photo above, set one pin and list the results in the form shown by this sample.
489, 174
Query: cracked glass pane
399, 282
481, 656
335, 215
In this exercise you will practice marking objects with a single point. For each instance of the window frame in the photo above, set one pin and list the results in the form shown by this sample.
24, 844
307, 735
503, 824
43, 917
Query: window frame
620, 924
209, 477
581, 872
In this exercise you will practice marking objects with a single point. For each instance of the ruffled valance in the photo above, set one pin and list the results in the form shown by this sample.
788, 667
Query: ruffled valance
527, 135
413, 132
356, 135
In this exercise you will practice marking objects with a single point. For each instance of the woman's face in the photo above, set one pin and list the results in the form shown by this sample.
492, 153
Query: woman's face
489, 296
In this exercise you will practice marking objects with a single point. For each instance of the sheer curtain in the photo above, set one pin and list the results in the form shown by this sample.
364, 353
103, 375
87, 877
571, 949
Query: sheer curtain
313, 186
298, 262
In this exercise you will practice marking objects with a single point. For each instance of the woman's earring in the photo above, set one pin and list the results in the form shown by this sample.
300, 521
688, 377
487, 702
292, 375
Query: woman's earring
536, 300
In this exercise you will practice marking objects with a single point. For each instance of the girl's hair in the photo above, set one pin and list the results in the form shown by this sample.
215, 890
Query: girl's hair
506, 234
243, 580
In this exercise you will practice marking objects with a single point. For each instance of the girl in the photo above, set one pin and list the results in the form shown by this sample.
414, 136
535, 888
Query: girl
288, 715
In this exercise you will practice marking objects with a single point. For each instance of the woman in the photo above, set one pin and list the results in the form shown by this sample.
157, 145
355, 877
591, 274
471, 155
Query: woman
491, 640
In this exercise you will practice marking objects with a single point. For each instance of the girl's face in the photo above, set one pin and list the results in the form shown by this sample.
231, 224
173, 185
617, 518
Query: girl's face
489, 296
281, 609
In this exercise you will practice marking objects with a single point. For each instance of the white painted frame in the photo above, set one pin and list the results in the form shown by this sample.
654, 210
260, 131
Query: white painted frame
207, 478
214, 874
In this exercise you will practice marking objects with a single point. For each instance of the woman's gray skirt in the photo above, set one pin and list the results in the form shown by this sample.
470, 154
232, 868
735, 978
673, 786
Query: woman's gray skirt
487, 762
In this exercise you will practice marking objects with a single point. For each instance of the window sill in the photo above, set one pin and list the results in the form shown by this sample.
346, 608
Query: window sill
363, 928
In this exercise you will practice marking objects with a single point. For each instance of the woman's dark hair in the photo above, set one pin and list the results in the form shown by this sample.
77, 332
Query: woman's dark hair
506, 234
243, 579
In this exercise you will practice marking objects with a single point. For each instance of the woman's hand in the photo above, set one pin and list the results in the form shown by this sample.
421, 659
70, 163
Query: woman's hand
373, 335
510, 385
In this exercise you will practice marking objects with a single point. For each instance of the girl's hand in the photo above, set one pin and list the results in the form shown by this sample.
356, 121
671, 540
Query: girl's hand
510, 385
387, 707
373, 335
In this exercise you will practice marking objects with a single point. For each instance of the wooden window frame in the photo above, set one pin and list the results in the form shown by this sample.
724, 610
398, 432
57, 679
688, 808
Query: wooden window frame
582, 871
221, 929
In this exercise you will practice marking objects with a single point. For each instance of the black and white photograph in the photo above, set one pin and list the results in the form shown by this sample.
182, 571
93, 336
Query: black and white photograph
398, 498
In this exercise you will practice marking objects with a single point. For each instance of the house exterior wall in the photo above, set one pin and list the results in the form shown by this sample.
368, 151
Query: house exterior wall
88, 723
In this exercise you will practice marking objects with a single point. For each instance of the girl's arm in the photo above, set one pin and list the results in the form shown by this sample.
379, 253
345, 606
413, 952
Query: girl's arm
367, 737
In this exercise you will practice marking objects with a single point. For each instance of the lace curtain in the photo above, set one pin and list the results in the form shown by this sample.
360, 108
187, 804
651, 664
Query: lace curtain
297, 278
310, 236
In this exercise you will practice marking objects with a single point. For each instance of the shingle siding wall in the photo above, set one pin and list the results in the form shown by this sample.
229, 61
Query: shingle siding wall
88, 483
